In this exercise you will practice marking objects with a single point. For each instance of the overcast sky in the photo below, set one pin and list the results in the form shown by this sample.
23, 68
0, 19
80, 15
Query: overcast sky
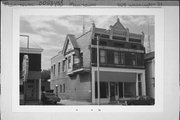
49, 32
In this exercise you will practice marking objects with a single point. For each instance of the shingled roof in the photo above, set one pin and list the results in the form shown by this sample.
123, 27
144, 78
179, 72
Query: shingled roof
118, 25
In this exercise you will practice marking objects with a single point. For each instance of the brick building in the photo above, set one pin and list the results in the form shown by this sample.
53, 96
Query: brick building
122, 70
32, 88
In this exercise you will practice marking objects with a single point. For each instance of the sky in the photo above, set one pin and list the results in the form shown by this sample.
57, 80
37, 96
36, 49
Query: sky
49, 32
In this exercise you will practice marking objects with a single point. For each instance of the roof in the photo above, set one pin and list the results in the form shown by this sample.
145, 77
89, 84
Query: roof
100, 30
118, 25
73, 40
24, 44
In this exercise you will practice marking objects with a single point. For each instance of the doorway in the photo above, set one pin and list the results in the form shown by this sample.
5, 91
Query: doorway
112, 91
121, 90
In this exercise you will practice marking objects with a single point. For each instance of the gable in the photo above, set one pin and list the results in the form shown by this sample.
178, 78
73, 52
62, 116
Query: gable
118, 26
69, 46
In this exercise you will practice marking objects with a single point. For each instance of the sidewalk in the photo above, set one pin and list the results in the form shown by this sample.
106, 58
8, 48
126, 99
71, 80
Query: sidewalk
74, 102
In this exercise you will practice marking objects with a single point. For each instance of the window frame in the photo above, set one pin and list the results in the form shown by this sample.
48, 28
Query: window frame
105, 56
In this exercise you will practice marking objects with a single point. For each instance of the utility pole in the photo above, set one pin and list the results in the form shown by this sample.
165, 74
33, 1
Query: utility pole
83, 25
98, 76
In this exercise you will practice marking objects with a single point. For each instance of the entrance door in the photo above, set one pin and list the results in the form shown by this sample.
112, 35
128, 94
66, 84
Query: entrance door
120, 90
112, 91
31, 90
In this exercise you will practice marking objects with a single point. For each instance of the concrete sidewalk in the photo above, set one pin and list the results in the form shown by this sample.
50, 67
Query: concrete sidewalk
74, 102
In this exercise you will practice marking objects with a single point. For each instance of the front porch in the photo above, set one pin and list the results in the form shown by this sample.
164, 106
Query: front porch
118, 84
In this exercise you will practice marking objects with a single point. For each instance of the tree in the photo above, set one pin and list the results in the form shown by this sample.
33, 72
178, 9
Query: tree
45, 75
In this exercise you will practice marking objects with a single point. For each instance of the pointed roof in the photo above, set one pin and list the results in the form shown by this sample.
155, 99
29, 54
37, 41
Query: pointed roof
118, 26
69, 38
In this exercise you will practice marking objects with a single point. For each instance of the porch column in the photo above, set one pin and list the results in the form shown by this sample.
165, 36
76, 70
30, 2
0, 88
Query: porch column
93, 87
137, 90
39, 89
143, 82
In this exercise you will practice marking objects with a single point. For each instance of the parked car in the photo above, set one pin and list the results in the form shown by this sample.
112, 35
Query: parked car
49, 98
141, 100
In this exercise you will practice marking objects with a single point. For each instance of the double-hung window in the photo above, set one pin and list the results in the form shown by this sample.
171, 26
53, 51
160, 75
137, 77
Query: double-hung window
116, 58
102, 56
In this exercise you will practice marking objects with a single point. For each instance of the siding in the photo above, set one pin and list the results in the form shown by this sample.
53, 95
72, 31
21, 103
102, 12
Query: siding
83, 43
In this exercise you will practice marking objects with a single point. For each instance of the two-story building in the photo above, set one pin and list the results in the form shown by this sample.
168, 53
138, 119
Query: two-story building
30, 89
122, 70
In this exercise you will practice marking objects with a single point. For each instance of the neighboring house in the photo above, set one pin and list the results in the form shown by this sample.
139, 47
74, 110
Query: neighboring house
33, 83
122, 69
150, 76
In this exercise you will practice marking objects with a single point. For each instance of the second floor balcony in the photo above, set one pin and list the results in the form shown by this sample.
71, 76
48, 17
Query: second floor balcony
78, 68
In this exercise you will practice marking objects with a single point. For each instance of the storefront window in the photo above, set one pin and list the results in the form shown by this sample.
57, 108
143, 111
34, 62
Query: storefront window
129, 90
103, 90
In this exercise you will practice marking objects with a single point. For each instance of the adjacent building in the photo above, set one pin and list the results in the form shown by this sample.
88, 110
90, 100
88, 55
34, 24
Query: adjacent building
122, 69
150, 74
31, 85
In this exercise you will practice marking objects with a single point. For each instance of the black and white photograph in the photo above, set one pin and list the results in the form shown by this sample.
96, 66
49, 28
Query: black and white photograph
98, 62
87, 60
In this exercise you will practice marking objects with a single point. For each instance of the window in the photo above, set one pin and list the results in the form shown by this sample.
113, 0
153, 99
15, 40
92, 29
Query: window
76, 59
122, 60
134, 59
129, 89
116, 58
102, 56
103, 43
103, 90
119, 38
63, 87
59, 66
54, 69
119, 45
69, 62
64, 65
133, 46
52, 72
60, 88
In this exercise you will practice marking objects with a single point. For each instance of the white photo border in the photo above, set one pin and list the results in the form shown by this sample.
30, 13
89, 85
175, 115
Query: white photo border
159, 57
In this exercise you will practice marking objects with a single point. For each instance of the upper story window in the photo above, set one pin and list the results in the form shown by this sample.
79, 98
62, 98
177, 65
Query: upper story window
64, 65
134, 40
102, 56
76, 59
119, 38
59, 68
116, 58
69, 62
54, 69
103, 43
122, 58
133, 46
120, 45
134, 59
